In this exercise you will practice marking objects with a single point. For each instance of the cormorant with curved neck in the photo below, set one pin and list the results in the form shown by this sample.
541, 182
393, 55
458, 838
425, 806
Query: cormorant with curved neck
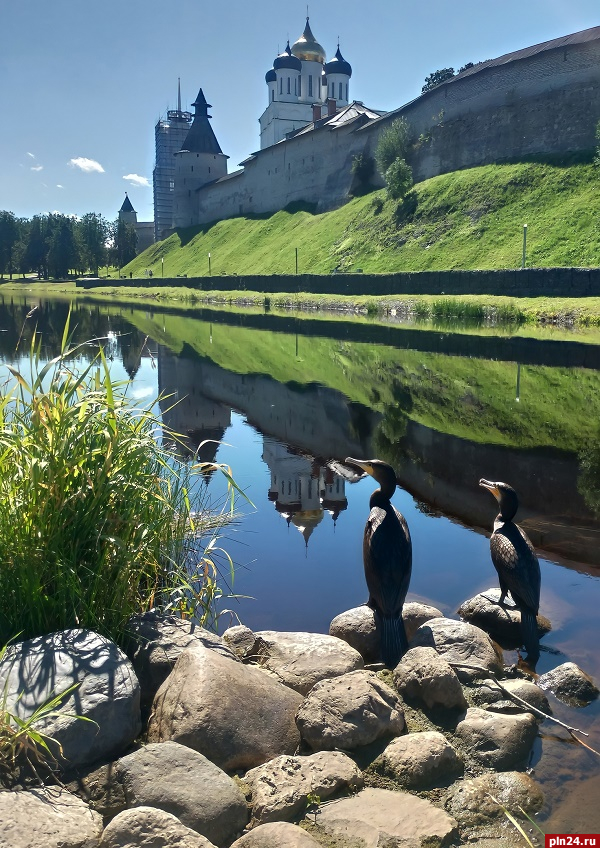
516, 563
387, 557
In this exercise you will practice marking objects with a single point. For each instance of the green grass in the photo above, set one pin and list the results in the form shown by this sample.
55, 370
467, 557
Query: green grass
470, 219
98, 521
466, 397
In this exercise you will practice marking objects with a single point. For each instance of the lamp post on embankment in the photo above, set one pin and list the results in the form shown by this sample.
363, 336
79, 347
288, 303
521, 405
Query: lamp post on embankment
524, 245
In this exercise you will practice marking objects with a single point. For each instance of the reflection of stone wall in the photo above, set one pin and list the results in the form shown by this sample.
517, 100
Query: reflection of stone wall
315, 419
445, 473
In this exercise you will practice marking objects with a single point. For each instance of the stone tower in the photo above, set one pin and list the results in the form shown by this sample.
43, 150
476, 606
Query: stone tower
199, 161
127, 213
169, 136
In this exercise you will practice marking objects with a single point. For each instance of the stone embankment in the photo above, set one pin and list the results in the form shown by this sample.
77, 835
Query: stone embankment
268, 739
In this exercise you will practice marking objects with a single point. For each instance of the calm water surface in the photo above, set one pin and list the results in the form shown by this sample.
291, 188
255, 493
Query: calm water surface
287, 400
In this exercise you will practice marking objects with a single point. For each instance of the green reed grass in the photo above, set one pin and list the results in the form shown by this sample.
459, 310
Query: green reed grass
98, 520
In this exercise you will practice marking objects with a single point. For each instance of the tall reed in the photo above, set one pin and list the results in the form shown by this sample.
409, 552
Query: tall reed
98, 520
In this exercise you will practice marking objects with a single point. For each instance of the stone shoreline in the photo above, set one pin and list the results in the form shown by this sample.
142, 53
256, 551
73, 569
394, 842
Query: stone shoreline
258, 740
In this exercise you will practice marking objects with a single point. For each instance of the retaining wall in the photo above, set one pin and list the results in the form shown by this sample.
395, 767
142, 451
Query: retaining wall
527, 282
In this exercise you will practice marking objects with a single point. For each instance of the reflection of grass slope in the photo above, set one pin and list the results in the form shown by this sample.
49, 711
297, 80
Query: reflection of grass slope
466, 219
470, 398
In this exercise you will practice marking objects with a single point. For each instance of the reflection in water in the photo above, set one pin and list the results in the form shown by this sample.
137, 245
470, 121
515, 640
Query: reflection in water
440, 407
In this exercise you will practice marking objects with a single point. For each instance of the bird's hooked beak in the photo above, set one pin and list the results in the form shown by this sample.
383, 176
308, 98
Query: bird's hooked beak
363, 464
491, 487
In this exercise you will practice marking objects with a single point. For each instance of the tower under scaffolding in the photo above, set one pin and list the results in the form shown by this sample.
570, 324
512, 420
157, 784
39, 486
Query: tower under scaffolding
169, 135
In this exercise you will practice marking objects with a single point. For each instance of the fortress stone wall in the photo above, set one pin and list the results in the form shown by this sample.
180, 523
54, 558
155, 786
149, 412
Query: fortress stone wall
541, 100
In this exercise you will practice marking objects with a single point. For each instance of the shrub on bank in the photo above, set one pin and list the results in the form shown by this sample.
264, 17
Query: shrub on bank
98, 520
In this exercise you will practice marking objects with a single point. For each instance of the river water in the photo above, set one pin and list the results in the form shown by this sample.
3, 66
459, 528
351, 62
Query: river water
285, 399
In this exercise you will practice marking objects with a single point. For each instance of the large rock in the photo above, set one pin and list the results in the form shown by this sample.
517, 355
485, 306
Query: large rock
462, 645
378, 817
170, 776
419, 760
100, 788
280, 787
299, 660
47, 818
358, 628
242, 641
234, 714
276, 835
155, 643
570, 684
148, 827
496, 740
107, 692
469, 801
349, 711
487, 694
502, 623
425, 677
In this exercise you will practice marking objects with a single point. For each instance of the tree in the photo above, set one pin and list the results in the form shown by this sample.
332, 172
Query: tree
465, 67
36, 249
62, 252
392, 144
389, 155
124, 243
9, 234
437, 77
93, 232
363, 167
398, 179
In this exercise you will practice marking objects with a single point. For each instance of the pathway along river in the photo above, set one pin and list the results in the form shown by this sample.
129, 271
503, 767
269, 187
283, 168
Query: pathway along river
290, 398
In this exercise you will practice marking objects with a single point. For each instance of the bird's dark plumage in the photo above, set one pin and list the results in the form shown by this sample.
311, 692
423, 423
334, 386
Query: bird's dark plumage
516, 563
387, 557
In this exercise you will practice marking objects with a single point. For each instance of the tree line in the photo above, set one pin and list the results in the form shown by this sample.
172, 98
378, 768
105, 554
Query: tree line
56, 245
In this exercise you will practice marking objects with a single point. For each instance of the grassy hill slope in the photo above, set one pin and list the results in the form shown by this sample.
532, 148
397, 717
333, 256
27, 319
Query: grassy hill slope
469, 219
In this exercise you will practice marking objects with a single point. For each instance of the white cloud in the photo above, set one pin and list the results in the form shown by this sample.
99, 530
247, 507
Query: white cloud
31, 154
37, 168
136, 180
88, 165
58, 185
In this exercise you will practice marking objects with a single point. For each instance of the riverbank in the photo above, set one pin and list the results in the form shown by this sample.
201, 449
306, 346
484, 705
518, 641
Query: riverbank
470, 220
561, 311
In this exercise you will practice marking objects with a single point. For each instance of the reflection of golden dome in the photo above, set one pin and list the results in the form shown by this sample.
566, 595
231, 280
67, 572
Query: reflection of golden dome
307, 48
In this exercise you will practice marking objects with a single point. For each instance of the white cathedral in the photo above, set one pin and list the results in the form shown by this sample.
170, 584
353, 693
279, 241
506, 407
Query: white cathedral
303, 87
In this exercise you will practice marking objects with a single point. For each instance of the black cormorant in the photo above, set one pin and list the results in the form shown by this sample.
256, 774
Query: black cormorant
387, 557
516, 563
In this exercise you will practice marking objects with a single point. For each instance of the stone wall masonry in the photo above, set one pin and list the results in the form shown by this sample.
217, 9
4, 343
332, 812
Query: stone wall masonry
546, 103
527, 282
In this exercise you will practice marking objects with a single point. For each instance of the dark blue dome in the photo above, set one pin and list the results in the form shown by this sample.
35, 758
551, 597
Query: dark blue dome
271, 76
338, 65
287, 60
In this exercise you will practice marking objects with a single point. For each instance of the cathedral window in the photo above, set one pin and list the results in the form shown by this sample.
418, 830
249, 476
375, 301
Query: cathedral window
192, 169
299, 86
272, 95
310, 86
340, 90
332, 89
346, 91
281, 85
296, 86
289, 84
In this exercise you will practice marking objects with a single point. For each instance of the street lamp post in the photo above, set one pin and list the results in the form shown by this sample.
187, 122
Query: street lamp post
524, 245
296, 260
162, 263
209, 271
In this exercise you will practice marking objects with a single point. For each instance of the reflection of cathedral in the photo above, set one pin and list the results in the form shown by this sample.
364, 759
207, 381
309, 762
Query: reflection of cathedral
302, 488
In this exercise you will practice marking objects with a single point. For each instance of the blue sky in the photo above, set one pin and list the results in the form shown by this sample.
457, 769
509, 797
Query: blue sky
82, 84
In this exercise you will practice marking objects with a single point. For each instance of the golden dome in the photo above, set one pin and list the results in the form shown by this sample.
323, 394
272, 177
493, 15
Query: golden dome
307, 48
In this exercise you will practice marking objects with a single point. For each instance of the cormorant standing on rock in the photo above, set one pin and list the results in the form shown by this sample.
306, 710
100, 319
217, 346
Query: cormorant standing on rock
517, 565
387, 557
